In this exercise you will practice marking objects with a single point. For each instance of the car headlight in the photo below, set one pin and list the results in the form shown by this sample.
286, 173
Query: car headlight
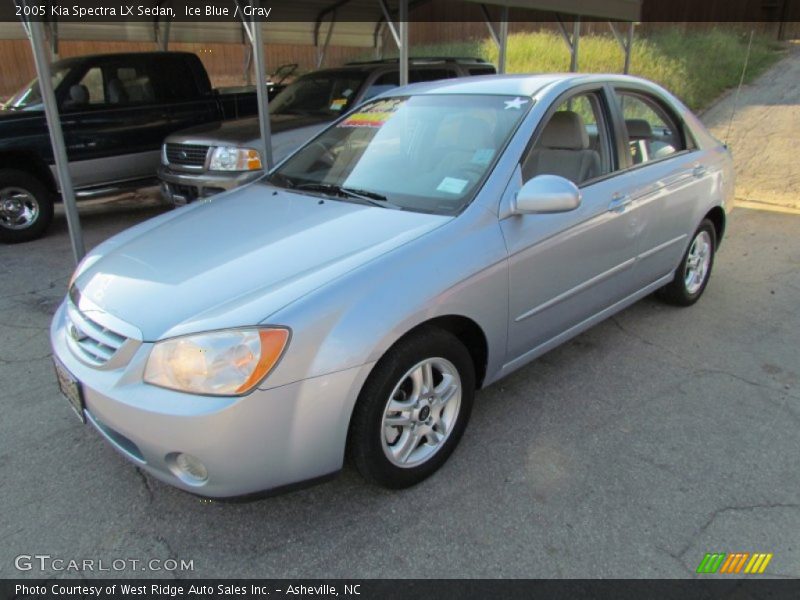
227, 158
220, 363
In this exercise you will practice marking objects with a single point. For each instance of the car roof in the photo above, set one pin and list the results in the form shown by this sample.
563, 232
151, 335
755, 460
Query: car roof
513, 85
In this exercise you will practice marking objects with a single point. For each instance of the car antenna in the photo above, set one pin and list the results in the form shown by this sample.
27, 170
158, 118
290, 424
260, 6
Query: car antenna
739, 89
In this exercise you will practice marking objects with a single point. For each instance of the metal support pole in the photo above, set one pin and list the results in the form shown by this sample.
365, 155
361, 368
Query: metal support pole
40, 57
378, 40
403, 23
53, 31
261, 89
165, 36
503, 40
389, 23
576, 36
626, 44
628, 48
321, 54
489, 25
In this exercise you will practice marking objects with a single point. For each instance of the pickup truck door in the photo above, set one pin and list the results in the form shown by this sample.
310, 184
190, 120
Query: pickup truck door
114, 122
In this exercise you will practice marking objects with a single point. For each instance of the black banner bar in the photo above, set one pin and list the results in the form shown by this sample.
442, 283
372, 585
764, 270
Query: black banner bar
87, 11
439, 589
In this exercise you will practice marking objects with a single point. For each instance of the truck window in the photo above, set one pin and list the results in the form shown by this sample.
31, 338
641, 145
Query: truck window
326, 94
129, 84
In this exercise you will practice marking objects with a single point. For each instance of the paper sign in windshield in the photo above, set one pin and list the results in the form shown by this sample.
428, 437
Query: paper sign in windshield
338, 104
374, 115
483, 156
452, 185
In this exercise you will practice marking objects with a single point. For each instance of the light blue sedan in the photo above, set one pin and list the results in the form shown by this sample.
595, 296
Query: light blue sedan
352, 302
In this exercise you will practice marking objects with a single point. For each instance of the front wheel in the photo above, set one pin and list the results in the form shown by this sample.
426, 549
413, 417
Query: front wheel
26, 206
413, 409
692, 275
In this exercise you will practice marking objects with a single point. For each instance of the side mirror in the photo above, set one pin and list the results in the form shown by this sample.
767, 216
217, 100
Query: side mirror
547, 194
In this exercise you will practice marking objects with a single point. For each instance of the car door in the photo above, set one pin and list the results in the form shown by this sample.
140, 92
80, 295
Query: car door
666, 180
114, 123
566, 268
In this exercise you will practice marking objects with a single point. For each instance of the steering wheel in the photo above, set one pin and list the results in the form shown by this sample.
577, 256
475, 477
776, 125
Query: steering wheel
327, 157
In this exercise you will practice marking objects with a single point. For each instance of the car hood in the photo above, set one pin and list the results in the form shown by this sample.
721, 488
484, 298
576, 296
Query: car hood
242, 131
236, 259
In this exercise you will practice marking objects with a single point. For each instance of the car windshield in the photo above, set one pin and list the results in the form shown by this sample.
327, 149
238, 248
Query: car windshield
326, 93
30, 97
425, 153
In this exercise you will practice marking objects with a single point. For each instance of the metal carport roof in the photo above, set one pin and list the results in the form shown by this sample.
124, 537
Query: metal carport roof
317, 22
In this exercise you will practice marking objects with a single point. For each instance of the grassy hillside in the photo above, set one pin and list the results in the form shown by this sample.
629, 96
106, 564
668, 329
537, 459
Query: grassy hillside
696, 66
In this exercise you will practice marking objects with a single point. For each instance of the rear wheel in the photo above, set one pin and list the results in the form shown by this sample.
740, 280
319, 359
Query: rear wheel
413, 409
26, 206
692, 275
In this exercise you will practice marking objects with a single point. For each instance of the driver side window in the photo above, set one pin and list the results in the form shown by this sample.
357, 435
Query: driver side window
574, 143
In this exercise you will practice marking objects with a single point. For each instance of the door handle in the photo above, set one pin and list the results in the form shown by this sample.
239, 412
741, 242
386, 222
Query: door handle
618, 202
698, 171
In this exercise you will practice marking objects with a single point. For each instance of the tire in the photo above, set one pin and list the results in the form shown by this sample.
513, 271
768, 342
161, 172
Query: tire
692, 275
26, 207
378, 449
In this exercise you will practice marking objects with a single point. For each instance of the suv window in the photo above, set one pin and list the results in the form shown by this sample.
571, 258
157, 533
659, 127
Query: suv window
325, 94
652, 132
420, 75
574, 143
481, 70
383, 83
391, 79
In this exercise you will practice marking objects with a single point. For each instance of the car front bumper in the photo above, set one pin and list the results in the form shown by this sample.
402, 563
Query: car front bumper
269, 439
180, 187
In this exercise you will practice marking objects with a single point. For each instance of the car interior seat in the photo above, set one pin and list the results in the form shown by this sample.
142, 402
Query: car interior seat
640, 130
563, 149
78, 95
116, 92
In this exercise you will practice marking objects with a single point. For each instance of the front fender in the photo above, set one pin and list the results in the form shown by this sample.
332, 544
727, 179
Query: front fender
459, 269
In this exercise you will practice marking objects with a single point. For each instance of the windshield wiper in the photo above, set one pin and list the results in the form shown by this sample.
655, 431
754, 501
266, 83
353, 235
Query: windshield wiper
372, 198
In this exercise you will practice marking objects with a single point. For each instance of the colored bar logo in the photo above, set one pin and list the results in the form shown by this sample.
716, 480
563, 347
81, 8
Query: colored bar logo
733, 563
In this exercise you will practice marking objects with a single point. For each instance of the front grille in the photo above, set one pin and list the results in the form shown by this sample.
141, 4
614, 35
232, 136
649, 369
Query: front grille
188, 155
89, 340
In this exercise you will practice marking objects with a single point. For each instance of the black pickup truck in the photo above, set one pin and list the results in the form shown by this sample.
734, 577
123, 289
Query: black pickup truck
116, 110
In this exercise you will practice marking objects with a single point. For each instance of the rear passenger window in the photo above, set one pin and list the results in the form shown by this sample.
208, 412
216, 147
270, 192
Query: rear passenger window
573, 144
420, 75
652, 133
129, 84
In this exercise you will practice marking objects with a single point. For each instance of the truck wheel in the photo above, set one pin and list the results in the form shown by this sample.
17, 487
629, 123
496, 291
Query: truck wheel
26, 207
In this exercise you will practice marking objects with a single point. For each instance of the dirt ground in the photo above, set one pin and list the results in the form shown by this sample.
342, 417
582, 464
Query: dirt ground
763, 134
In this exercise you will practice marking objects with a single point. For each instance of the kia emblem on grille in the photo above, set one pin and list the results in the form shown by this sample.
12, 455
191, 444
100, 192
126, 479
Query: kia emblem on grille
76, 334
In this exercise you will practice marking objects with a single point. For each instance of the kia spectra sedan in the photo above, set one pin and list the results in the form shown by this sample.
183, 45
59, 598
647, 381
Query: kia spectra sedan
351, 302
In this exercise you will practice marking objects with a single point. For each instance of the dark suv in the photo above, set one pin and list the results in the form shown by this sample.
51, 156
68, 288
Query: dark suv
215, 157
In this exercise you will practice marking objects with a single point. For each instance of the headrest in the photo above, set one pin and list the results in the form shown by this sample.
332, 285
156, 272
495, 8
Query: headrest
565, 131
638, 129
116, 91
79, 94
